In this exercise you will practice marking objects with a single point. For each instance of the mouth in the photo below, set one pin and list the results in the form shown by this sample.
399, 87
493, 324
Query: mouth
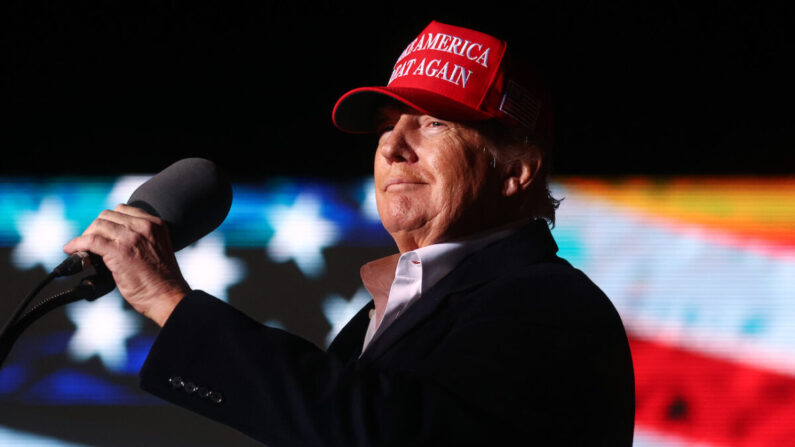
398, 183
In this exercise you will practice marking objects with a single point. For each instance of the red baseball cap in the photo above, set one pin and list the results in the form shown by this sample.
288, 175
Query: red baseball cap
457, 74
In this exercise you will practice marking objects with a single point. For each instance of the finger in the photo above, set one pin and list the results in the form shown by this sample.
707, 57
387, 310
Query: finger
108, 228
139, 222
143, 222
117, 217
135, 211
124, 214
94, 243
99, 227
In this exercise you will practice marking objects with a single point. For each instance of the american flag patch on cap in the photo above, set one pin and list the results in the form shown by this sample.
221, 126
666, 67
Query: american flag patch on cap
521, 105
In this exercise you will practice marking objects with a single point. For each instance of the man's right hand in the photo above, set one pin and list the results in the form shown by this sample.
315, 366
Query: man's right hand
136, 248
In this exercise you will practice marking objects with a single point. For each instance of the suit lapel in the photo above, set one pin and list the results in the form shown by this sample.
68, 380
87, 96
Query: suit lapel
347, 345
415, 314
532, 243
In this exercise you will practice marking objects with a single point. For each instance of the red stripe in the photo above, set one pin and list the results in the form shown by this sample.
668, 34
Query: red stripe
706, 399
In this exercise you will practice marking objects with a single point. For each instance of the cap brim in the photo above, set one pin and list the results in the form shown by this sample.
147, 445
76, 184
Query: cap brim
356, 111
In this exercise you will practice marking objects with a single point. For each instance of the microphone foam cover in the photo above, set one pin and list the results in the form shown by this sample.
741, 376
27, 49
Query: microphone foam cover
192, 196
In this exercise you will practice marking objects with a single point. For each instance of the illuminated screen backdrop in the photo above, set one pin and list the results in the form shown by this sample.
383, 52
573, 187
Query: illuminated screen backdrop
702, 271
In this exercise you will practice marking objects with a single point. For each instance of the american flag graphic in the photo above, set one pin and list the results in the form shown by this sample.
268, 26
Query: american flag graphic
701, 270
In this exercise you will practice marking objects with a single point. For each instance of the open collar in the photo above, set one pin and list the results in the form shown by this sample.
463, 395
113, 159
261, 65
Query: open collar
531, 244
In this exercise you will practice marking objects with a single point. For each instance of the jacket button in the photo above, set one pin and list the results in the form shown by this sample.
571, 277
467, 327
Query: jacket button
203, 392
190, 387
215, 396
176, 382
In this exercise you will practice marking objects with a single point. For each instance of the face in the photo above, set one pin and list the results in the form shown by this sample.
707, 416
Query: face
434, 182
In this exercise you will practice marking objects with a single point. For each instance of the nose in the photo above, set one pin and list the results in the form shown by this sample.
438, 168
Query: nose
395, 146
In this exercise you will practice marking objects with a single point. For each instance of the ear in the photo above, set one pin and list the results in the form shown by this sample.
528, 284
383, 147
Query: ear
519, 174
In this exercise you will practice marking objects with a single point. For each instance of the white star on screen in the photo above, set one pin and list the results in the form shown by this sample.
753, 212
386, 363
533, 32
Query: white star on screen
206, 267
369, 208
43, 234
339, 311
123, 189
103, 327
300, 234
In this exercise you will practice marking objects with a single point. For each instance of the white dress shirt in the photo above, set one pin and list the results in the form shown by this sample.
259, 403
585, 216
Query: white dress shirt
420, 269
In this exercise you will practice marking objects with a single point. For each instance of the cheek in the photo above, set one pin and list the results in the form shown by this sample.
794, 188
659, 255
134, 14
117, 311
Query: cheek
462, 177
378, 167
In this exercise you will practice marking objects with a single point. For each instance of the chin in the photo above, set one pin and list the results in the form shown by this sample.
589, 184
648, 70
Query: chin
394, 226
399, 221
402, 214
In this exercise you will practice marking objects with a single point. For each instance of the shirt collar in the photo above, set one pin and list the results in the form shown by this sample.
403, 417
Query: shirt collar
437, 261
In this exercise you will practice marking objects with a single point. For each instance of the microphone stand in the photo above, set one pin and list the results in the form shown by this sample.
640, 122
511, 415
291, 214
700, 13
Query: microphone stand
90, 288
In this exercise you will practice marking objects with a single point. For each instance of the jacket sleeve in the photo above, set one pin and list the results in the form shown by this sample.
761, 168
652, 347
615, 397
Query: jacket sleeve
284, 391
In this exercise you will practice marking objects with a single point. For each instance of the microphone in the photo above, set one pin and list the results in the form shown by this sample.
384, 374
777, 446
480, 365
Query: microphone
192, 196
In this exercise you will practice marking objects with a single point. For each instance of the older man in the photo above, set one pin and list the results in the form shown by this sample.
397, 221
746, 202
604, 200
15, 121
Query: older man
478, 333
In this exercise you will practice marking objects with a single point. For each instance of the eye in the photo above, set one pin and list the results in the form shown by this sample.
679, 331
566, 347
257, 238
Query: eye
435, 124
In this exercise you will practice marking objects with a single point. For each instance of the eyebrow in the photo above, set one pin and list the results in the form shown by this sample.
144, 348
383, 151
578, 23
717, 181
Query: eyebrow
380, 121
387, 112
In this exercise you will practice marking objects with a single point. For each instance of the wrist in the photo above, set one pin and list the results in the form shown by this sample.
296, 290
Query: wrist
164, 306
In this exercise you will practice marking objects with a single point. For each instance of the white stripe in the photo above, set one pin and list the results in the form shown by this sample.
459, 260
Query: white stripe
14, 438
682, 289
645, 437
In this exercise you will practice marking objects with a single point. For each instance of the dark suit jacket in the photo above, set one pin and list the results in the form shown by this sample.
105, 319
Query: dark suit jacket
513, 345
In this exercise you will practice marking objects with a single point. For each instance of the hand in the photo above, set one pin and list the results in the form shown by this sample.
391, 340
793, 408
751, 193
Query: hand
136, 248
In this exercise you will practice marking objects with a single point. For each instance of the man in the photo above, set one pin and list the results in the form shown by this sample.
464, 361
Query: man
478, 333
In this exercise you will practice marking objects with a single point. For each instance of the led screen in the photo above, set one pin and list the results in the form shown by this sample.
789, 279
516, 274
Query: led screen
702, 271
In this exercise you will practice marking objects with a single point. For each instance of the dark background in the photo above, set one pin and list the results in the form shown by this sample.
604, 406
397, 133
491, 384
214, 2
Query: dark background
102, 88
